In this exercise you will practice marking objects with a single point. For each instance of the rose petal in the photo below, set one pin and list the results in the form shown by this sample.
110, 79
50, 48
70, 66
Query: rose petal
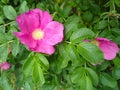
86, 40
45, 17
28, 21
26, 39
109, 49
5, 66
53, 33
102, 39
43, 47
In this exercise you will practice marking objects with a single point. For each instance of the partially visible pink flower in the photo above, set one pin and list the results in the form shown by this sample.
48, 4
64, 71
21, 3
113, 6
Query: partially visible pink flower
38, 31
109, 48
86, 40
5, 65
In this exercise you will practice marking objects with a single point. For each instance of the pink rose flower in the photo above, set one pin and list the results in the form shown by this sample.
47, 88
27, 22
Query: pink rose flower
5, 65
38, 31
109, 48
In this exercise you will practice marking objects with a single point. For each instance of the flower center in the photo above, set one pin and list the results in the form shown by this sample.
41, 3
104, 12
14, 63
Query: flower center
38, 34
95, 42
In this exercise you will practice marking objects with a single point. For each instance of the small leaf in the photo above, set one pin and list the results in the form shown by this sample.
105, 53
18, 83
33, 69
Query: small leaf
102, 24
117, 2
9, 12
116, 61
28, 65
86, 83
90, 52
107, 80
71, 25
103, 66
3, 52
1, 20
2, 30
5, 1
81, 34
93, 75
87, 16
23, 7
63, 51
74, 55
37, 74
116, 73
15, 47
43, 60
3, 38
77, 74
5, 83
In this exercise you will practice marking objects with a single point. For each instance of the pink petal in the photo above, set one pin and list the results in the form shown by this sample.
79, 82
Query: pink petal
86, 40
43, 47
45, 17
26, 39
109, 48
5, 66
28, 21
53, 33
102, 39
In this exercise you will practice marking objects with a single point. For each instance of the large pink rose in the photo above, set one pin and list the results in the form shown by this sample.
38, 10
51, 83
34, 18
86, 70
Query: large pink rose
38, 31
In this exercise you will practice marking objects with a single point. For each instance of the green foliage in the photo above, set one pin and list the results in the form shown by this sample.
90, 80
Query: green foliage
89, 52
9, 12
76, 64
81, 34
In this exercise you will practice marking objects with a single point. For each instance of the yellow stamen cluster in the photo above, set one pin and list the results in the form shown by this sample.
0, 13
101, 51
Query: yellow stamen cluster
38, 34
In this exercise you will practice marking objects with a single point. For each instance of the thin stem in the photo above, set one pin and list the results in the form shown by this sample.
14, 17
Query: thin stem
6, 43
4, 25
108, 24
112, 6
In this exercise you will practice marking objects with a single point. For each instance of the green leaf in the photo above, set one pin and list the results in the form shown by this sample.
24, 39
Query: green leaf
15, 47
81, 34
86, 83
102, 24
9, 12
103, 66
27, 86
63, 51
107, 80
28, 65
116, 61
3, 38
71, 25
3, 52
5, 1
90, 52
2, 30
37, 74
74, 55
5, 83
43, 60
117, 2
93, 75
77, 74
87, 16
1, 20
116, 73
23, 7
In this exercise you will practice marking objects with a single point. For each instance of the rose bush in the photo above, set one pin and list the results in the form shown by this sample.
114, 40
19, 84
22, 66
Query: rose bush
59, 45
